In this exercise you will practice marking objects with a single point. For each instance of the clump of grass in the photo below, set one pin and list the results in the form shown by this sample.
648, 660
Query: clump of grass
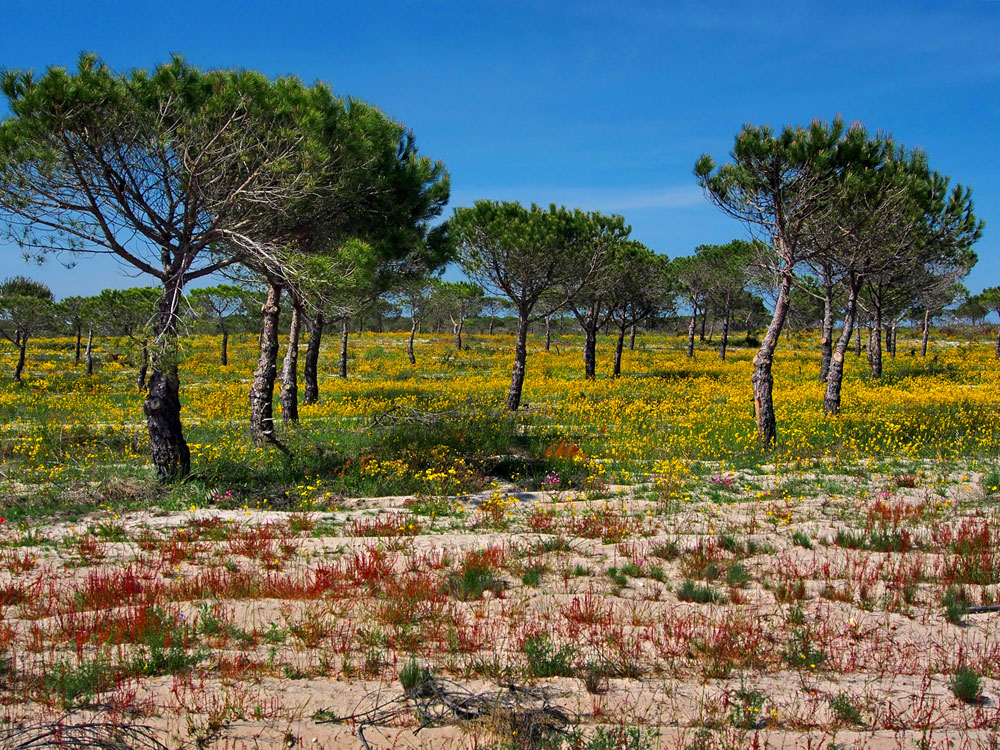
956, 604
617, 577
737, 575
802, 540
532, 576
545, 660
966, 685
412, 675
690, 591
472, 581
844, 710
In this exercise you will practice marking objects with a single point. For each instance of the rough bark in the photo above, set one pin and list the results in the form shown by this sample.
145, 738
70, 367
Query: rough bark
704, 317
520, 361
22, 348
926, 333
857, 342
835, 375
590, 354
631, 339
290, 369
224, 353
762, 378
89, 355
724, 337
311, 369
162, 405
619, 345
140, 378
343, 347
893, 330
826, 344
548, 333
262, 389
875, 348
409, 343
457, 327
691, 331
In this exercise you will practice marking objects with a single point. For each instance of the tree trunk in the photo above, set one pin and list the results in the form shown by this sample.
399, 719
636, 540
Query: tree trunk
631, 339
724, 338
140, 378
289, 396
162, 405
857, 342
892, 338
492, 318
311, 369
875, 348
343, 347
590, 352
926, 332
22, 348
704, 317
826, 343
619, 345
409, 344
79, 335
691, 330
224, 353
520, 361
457, 328
262, 390
763, 379
835, 374
548, 333
89, 354
711, 331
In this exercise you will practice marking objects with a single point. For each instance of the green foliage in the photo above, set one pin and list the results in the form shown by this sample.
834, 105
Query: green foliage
689, 591
956, 604
844, 710
966, 685
544, 660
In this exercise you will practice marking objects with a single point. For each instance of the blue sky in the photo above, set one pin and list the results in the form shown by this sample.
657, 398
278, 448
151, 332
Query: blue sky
605, 106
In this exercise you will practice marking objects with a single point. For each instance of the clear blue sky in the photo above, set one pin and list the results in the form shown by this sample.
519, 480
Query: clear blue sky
605, 106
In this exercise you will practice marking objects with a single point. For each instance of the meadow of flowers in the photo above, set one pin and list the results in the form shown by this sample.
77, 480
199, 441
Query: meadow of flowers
621, 546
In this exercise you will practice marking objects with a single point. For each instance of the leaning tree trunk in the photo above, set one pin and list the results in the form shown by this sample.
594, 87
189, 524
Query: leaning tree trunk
835, 375
22, 349
262, 390
826, 344
724, 338
520, 362
140, 378
224, 352
162, 405
89, 354
289, 396
691, 330
79, 336
409, 344
619, 345
631, 339
343, 347
311, 370
763, 379
926, 333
